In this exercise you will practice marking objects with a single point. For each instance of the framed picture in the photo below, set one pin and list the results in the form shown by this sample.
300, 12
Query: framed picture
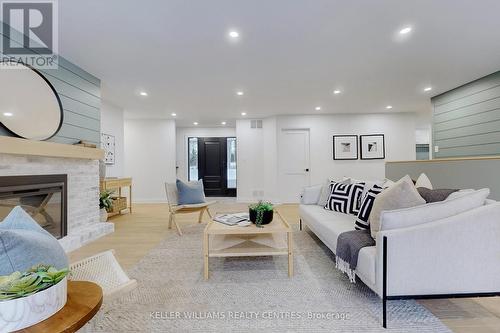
345, 147
108, 145
372, 147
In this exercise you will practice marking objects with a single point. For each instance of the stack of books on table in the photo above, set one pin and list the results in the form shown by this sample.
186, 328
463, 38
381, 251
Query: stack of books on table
232, 219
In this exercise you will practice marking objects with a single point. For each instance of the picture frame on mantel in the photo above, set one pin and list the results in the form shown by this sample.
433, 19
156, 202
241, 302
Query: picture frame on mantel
345, 147
372, 146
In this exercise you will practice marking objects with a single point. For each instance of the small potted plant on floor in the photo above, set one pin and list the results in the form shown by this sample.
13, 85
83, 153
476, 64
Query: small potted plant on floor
105, 204
261, 213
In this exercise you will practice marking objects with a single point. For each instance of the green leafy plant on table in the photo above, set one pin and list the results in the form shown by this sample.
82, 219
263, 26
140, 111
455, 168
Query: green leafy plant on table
38, 278
261, 208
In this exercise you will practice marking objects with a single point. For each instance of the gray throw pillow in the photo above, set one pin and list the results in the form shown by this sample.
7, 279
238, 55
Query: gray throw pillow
434, 195
24, 244
402, 194
190, 193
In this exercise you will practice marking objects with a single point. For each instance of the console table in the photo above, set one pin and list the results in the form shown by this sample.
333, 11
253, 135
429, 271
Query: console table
117, 184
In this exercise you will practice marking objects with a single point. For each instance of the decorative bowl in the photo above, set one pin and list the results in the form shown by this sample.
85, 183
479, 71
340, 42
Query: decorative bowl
23, 312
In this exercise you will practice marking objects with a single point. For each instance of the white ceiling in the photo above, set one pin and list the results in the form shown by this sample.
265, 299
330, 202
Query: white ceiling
290, 56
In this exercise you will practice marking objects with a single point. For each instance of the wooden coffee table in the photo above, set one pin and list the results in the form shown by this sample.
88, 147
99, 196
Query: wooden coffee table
273, 239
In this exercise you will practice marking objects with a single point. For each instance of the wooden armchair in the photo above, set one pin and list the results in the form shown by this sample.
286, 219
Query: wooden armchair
175, 208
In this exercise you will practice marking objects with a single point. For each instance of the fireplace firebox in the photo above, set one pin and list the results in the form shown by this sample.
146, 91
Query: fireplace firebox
44, 197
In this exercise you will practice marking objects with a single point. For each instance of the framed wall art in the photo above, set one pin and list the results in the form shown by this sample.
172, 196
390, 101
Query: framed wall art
372, 146
108, 145
345, 147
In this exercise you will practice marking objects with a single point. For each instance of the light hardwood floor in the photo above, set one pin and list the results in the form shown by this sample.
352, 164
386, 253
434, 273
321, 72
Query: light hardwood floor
138, 233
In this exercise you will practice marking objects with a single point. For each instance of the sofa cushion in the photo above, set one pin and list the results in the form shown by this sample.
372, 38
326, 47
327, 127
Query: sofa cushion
310, 195
362, 221
365, 269
403, 218
24, 244
345, 198
434, 195
326, 224
190, 193
403, 194
423, 181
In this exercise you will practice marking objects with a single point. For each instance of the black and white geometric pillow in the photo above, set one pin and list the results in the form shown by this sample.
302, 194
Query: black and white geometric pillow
345, 198
362, 222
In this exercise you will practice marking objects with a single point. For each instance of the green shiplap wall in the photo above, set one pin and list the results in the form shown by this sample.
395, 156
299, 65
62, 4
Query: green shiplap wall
466, 120
80, 94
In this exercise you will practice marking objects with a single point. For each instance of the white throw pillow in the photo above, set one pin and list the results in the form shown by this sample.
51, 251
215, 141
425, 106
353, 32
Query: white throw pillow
310, 195
402, 194
403, 218
368, 184
424, 181
387, 183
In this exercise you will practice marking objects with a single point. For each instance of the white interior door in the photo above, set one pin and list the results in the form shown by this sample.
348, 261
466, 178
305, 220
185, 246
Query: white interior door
294, 167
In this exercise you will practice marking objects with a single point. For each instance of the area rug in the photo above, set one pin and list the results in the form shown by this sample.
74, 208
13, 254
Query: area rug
252, 294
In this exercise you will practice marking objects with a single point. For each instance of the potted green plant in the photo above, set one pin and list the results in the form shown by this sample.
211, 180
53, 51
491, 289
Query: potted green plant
261, 213
30, 297
105, 204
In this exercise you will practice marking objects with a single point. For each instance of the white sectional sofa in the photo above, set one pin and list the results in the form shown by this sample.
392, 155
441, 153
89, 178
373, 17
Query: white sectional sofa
452, 256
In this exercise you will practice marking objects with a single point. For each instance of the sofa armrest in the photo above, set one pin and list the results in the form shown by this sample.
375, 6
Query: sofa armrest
310, 195
455, 255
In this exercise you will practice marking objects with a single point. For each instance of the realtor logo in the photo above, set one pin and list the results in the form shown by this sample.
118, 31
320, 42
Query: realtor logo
29, 32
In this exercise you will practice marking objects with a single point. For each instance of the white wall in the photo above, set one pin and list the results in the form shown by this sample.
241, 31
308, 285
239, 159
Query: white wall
112, 124
150, 157
257, 161
183, 133
258, 166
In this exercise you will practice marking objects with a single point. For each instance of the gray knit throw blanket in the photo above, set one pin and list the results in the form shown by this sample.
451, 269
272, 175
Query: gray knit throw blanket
349, 244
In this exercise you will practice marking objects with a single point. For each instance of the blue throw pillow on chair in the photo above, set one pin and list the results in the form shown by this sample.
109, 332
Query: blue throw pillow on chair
24, 244
190, 193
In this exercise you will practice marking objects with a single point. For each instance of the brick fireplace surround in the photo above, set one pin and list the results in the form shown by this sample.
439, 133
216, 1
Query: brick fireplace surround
83, 183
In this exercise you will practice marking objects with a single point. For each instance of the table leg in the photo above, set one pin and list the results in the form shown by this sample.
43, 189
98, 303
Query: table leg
130, 197
290, 254
205, 255
119, 195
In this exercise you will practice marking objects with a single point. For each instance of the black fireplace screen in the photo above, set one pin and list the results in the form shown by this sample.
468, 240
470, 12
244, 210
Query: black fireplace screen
41, 196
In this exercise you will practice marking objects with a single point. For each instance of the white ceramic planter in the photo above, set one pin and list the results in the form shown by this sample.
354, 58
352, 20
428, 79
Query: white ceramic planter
19, 313
103, 215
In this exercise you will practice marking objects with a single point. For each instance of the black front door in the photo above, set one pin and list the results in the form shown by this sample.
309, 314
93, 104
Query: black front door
212, 166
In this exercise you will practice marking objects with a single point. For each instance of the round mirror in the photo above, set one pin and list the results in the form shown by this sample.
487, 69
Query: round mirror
29, 105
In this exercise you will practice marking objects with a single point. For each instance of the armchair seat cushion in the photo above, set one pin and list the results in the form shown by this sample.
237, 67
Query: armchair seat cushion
193, 206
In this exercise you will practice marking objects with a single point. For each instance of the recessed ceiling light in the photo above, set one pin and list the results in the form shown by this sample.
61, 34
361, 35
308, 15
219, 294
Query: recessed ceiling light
143, 93
8, 114
243, 113
388, 107
318, 108
174, 114
240, 93
223, 123
234, 34
428, 89
336, 92
195, 123
405, 30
